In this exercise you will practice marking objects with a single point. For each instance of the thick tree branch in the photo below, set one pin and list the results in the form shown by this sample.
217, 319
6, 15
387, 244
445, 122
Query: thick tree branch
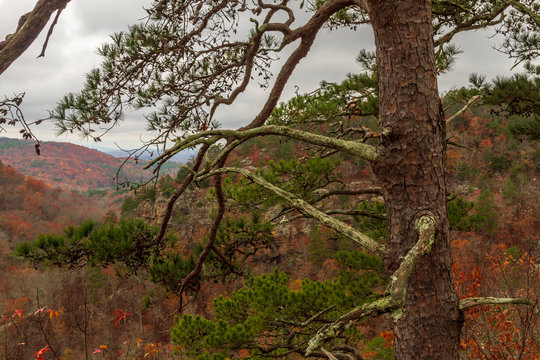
327, 193
374, 308
364, 151
30, 26
209, 245
306, 208
334, 212
170, 204
393, 302
307, 34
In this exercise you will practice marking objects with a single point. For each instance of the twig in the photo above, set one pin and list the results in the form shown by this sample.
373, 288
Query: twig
49, 33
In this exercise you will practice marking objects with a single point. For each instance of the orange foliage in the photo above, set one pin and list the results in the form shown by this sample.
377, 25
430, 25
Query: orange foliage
65, 164
452, 157
498, 332
485, 144
474, 126
12, 305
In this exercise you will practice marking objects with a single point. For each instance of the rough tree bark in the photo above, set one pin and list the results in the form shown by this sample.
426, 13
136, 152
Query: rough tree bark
411, 170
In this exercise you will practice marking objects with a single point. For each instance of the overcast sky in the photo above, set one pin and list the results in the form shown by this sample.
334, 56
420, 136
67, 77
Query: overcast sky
85, 24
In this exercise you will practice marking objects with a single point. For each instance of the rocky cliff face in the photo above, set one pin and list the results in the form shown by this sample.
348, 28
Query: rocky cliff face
192, 218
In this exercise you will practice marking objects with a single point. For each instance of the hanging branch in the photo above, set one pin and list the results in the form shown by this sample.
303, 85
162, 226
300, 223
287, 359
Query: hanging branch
191, 277
51, 29
28, 29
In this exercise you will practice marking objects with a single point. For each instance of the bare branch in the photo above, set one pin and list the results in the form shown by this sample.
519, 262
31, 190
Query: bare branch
51, 29
327, 193
364, 151
209, 245
307, 33
170, 205
374, 308
425, 226
467, 303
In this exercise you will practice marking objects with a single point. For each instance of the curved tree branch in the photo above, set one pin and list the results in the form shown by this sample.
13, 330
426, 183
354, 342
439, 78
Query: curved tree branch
170, 205
393, 302
304, 207
209, 245
469, 103
425, 226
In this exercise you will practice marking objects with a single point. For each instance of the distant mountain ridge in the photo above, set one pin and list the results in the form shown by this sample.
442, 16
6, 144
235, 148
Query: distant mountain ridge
73, 166
182, 158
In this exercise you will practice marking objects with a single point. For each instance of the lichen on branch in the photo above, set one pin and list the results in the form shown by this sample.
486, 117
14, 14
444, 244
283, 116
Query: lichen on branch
306, 208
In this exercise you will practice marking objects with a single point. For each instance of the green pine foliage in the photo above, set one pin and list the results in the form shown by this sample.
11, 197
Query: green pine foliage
268, 317
486, 215
516, 97
129, 244
300, 178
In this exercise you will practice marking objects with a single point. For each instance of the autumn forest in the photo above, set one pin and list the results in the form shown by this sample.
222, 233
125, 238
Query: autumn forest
373, 218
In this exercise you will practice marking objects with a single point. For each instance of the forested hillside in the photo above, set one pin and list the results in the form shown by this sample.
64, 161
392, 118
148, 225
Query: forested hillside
72, 304
29, 207
73, 166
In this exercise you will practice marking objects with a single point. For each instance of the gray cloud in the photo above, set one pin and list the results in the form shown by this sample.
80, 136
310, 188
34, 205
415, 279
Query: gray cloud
85, 24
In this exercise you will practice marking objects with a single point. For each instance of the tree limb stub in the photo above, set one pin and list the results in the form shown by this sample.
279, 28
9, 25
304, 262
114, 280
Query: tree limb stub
304, 207
467, 303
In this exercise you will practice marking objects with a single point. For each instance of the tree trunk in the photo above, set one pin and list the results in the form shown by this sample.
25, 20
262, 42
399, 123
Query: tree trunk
411, 170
